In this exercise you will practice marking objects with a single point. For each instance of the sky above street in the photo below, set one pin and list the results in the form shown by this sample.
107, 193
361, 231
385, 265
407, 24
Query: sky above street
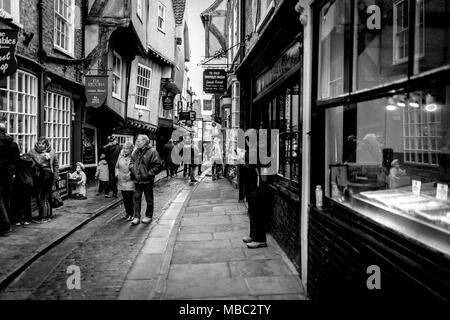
197, 39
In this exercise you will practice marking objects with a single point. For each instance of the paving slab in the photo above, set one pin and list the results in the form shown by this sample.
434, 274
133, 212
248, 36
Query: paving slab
205, 288
199, 271
273, 285
195, 237
136, 289
146, 267
195, 256
259, 268
155, 245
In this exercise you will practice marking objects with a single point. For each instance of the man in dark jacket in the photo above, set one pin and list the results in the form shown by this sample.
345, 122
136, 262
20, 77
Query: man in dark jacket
9, 157
22, 190
112, 152
145, 165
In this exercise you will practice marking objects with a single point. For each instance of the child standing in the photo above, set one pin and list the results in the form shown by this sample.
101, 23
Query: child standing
102, 175
80, 177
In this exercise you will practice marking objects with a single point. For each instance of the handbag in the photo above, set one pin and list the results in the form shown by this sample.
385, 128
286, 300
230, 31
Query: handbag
56, 201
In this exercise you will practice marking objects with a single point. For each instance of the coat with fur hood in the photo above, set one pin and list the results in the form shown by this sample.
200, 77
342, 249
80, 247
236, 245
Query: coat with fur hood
123, 173
102, 173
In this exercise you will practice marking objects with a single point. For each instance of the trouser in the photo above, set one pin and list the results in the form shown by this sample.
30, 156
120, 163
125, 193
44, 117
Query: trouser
147, 190
186, 170
170, 169
21, 203
103, 186
44, 194
5, 224
113, 180
192, 171
256, 213
128, 202
199, 169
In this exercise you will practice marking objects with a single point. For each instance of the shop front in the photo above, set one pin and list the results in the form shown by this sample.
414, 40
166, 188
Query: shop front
380, 149
271, 98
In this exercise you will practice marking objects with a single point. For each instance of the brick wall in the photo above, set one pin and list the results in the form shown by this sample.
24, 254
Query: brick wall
284, 226
30, 21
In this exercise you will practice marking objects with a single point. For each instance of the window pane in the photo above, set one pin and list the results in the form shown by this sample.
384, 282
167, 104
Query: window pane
381, 44
432, 35
335, 23
372, 162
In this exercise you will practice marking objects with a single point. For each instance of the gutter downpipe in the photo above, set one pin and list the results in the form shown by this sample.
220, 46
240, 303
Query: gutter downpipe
41, 58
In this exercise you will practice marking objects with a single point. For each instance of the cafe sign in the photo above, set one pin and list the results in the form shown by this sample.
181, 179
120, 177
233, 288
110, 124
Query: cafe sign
214, 81
168, 103
8, 62
96, 90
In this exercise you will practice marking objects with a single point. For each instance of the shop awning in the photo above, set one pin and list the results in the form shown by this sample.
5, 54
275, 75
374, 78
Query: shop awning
141, 125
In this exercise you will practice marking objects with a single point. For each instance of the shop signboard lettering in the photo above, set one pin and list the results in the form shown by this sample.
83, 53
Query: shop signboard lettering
214, 81
185, 116
8, 62
168, 103
96, 90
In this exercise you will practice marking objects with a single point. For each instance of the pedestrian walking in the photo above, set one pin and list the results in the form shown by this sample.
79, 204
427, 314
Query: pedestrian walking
216, 158
145, 164
112, 152
9, 158
80, 177
23, 190
46, 175
124, 183
251, 175
191, 147
167, 154
102, 175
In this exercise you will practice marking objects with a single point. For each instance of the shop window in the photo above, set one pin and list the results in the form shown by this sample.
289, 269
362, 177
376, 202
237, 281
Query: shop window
64, 34
143, 86
57, 122
376, 149
18, 108
12, 8
401, 30
283, 114
334, 29
161, 17
117, 76
122, 139
374, 56
432, 39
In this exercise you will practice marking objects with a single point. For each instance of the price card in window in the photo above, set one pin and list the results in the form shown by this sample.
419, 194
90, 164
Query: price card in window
442, 192
416, 186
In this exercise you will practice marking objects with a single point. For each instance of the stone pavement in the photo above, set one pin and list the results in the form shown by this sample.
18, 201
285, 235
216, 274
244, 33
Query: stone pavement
195, 252
27, 243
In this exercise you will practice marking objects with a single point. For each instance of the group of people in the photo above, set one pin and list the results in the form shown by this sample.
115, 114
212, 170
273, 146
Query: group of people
130, 170
24, 176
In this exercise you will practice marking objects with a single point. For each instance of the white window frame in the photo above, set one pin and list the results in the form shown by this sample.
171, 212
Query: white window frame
143, 84
69, 22
58, 126
14, 12
122, 139
163, 17
266, 7
140, 9
117, 76
419, 50
21, 122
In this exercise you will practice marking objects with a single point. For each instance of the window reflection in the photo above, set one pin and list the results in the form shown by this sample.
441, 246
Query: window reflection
375, 149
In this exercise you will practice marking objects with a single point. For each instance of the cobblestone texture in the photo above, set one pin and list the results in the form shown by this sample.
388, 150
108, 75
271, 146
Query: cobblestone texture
106, 257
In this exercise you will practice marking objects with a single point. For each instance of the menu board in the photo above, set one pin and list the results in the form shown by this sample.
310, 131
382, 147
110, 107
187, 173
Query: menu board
89, 146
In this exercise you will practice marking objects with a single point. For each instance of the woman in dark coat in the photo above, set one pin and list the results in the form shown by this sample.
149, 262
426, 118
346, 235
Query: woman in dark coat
23, 190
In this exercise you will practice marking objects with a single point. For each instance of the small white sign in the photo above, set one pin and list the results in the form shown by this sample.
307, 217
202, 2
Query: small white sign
442, 192
416, 186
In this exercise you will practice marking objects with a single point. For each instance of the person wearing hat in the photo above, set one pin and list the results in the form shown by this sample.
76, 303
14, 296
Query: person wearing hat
80, 177
395, 174
102, 175
124, 183
112, 152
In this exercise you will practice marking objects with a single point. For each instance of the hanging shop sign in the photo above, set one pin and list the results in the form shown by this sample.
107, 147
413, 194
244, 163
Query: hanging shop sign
96, 90
192, 115
168, 103
214, 81
8, 62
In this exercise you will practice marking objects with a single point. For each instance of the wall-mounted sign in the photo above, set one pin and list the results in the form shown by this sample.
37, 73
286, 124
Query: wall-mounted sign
8, 62
168, 103
184, 116
192, 115
207, 105
214, 81
96, 90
